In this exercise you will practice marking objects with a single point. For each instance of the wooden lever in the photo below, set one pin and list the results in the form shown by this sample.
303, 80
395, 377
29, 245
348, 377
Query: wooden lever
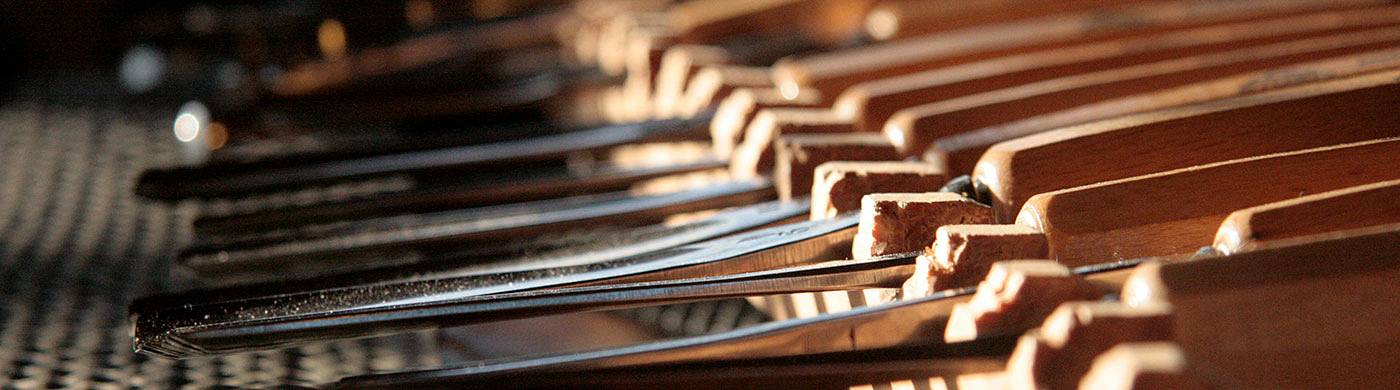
1357, 207
739, 108
1090, 95
831, 73
799, 155
1185, 222
839, 186
1147, 365
1015, 296
1154, 215
862, 329
977, 106
872, 103
1275, 121
1208, 306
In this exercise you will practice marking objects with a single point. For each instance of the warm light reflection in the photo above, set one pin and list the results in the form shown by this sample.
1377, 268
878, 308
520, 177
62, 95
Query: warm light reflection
881, 24
789, 90
331, 37
186, 127
216, 135
896, 135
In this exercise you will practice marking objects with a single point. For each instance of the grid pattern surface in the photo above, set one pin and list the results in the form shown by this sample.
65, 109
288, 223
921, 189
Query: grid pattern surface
76, 247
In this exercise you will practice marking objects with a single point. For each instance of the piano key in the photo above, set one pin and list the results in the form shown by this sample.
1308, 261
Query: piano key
831, 73
840, 185
1286, 119
1348, 208
885, 218
738, 109
916, 128
797, 157
872, 103
901, 324
1333, 278
1112, 222
911, 320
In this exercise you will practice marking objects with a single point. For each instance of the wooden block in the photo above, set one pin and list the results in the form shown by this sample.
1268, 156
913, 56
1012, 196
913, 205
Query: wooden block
1307, 312
1373, 204
712, 83
1022, 110
1270, 122
901, 223
643, 61
678, 65
873, 102
754, 156
1060, 352
1151, 365
797, 157
962, 149
1179, 211
962, 255
735, 112
1016, 296
830, 73
839, 185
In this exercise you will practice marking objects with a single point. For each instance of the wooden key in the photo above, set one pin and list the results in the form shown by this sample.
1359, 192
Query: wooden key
754, 157
833, 72
1149, 365
913, 18
717, 20
714, 83
1209, 306
1015, 296
1006, 104
1147, 86
838, 30
899, 223
1089, 328
1286, 119
1001, 303
840, 185
864, 327
739, 108
868, 333
1349, 208
678, 65
721, 22
799, 155
1153, 215
872, 103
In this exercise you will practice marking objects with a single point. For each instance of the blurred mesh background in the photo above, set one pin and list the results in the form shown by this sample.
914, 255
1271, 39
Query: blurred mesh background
76, 247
